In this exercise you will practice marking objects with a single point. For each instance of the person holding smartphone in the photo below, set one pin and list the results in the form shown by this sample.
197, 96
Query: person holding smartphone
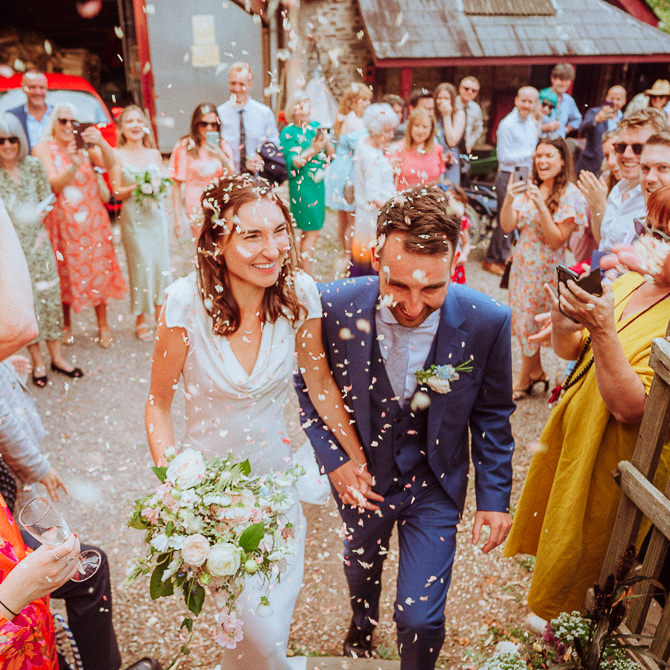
306, 148
545, 211
197, 159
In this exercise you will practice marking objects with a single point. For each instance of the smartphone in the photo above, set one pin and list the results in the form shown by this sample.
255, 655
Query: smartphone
520, 174
212, 137
78, 128
591, 283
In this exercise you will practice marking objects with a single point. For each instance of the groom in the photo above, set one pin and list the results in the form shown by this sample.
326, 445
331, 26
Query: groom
377, 334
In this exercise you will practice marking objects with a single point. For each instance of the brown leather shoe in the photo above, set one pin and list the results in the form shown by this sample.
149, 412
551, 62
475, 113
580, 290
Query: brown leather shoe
358, 643
494, 268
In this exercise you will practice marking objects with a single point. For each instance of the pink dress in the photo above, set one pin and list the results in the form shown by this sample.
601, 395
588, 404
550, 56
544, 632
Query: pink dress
81, 237
195, 173
418, 169
534, 263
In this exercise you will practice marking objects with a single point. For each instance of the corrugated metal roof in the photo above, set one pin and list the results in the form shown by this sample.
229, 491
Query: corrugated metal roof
509, 7
440, 30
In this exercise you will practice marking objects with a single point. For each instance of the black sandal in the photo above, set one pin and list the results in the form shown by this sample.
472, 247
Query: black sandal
39, 380
75, 373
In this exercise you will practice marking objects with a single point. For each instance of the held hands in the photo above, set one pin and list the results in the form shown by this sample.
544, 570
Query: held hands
353, 484
499, 524
595, 313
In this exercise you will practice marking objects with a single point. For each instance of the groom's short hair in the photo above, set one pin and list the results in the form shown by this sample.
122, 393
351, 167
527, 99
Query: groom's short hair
424, 217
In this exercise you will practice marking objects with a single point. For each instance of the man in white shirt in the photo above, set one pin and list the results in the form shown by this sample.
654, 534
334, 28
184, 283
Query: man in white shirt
468, 90
655, 164
34, 114
517, 135
625, 201
245, 123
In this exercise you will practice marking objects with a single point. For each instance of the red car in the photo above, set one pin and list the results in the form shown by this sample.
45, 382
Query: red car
64, 88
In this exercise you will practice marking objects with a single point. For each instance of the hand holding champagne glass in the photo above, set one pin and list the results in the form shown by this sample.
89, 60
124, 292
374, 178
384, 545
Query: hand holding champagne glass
47, 525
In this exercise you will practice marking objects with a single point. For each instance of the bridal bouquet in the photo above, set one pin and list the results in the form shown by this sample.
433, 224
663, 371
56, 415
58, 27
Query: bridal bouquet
209, 525
150, 186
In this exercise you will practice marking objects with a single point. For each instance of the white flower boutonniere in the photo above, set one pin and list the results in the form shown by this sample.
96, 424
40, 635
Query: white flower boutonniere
439, 377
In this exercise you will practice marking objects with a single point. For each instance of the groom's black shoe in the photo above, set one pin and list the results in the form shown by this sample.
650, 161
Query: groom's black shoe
358, 643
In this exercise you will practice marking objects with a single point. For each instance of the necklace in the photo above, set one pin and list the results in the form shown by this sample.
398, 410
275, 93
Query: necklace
572, 378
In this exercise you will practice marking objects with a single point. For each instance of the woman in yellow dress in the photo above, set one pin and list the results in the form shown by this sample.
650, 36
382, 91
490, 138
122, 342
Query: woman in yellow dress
569, 501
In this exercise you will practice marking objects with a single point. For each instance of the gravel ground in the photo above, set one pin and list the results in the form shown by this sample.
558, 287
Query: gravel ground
96, 440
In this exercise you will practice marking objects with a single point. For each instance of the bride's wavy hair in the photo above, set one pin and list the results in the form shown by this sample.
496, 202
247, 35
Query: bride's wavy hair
221, 201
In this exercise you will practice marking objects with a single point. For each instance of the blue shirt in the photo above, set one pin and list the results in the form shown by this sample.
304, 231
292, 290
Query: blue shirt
566, 113
36, 128
259, 126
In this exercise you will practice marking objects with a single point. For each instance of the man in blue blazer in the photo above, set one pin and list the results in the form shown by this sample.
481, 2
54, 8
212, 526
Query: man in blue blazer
34, 114
378, 334
596, 123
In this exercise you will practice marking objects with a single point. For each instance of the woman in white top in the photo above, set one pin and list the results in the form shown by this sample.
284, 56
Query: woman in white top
232, 329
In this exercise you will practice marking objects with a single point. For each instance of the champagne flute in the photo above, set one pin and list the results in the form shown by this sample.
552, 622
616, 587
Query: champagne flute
47, 525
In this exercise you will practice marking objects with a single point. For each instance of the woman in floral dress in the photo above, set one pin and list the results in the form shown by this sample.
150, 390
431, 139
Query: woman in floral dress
546, 211
23, 186
78, 225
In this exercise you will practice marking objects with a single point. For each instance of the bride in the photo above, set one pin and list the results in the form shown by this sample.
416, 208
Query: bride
233, 329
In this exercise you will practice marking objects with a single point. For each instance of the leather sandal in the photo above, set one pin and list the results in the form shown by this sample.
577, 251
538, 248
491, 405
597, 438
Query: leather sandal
105, 338
40, 379
143, 333
75, 373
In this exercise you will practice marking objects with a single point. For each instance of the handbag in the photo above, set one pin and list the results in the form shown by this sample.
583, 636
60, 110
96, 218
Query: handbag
274, 163
504, 279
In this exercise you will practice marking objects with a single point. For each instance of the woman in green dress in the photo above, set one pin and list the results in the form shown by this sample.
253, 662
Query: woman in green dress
24, 186
306, 147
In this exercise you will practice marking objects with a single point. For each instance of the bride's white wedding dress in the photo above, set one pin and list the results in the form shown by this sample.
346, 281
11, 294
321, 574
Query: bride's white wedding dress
231, 412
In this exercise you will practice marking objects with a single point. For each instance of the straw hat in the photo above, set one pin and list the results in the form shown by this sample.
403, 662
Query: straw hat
660, 87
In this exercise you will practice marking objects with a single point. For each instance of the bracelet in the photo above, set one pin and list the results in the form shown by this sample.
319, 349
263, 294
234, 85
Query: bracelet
12, 612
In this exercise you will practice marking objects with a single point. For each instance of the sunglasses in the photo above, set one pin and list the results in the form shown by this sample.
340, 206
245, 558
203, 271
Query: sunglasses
469, 88
620, 147
64, 122
208, 124
11, 140
642, 228
548, 105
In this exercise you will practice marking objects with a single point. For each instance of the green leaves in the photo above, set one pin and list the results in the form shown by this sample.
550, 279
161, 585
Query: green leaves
161, 473
157, 587
194, 596
251, 537
138, 521
245, 467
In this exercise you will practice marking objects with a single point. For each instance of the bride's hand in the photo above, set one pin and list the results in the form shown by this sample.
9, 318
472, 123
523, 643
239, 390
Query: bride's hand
354, 486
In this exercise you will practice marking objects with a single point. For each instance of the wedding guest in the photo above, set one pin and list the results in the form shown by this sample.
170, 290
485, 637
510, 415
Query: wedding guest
655, 164
144, 229
34, 113
545, 211
625, 201
78, 225
569, 500
306, 147
596, 123
23, 186
419, 159
450, 129
566, 116
374, 182
194, 163
18, 326
659, 95
347, 131
397, 103
468, 90
245, 123
516, 135
418, 98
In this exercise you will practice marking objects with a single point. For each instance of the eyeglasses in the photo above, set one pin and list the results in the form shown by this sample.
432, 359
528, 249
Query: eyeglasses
64, 122
642, 228
208, 124
620, 147
11, 140
548, 105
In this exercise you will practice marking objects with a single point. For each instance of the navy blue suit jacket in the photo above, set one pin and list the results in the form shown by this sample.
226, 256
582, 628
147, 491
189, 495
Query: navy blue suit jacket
471, 325
591, 158
20, 114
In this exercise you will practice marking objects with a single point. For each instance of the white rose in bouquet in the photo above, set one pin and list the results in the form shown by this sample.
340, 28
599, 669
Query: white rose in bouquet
195, 550
191, 523
223, 560
160, 542
187, 469
147, 189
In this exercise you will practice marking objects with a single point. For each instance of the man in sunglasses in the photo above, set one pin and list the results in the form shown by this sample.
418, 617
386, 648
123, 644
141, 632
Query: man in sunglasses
626, 201
597, 122
468, 90
34, 114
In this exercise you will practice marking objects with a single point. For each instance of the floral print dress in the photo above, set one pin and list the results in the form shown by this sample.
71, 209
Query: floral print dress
28, 641
534, 263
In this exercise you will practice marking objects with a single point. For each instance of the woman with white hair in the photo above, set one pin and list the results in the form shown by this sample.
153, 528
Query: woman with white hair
24, 186
78, 225
306, 147
373, 182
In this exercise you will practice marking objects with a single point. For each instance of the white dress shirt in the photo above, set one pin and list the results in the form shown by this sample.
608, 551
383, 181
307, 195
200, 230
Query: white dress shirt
617, 225
259, 126
516, 141
421, 341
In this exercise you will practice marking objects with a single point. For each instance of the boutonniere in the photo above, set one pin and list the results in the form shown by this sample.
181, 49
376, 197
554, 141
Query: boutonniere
439, 377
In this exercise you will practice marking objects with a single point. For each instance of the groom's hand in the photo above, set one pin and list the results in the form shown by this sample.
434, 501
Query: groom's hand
499, 524
354, 486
